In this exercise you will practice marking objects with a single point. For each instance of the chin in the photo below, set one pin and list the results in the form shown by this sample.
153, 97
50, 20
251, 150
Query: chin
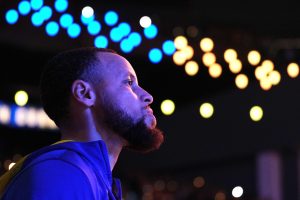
150, 122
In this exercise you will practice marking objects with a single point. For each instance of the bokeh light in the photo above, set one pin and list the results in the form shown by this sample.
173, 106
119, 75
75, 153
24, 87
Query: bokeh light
198, 182
180, 42
21, 98
11, 16
61, 5
111, 18
293, 70
191, 68
237, 191
155, 55
254, 57
179, 58
168, 47
101, 41
235, 66
87, 12
145, 21
206, 110
241, 81
215, 70
5, 114
206, 44
24, 7
167, 107
151, 31
256, 113
230, 55
208, 59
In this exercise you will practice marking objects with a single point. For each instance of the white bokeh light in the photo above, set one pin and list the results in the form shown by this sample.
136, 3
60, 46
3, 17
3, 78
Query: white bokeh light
87, 12
237, 191
145, 21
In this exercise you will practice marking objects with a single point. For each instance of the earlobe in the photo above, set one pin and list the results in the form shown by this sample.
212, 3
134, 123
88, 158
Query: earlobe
83, 92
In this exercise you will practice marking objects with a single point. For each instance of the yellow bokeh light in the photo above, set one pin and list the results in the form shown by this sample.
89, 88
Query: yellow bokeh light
21, 98
191, 68
293, 70
209, 59
254, 57
206, 44
206, 110
241, 81
274, 77
260, 73
235, 66
188, 51
265, 83
230, 55
179, 58
215, 70
180, 42
167, 107
267, 65
256, 113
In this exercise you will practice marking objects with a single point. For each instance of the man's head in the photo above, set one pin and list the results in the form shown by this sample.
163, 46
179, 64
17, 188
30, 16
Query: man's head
118, 102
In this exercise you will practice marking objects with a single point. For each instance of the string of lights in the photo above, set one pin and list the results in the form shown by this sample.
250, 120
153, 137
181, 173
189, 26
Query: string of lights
56, 19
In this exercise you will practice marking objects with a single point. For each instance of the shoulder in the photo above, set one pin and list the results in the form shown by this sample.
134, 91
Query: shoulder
51, 178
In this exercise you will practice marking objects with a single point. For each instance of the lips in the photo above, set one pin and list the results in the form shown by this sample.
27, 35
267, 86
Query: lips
150, 118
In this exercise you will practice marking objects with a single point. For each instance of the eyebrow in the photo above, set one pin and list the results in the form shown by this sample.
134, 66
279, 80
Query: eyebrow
126, 74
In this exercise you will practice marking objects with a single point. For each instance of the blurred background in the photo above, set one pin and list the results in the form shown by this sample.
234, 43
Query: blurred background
224, 76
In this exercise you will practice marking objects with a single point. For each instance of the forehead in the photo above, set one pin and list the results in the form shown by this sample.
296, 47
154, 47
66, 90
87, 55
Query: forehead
115, 65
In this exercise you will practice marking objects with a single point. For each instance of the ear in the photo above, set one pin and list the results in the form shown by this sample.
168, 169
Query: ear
83, 92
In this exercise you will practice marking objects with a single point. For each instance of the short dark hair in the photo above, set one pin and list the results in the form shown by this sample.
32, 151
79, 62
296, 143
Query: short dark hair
59, 74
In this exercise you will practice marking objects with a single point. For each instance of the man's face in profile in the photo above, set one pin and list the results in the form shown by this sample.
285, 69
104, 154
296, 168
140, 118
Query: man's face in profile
126, 106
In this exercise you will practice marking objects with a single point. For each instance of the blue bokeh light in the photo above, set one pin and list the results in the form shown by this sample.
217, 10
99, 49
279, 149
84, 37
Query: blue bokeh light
111, 18
61, 5
46, 12
169, 47
126, 46
135, 39
11, 16
94, 27
52, 28
151, 31
115, 35
66, 20
74, 30
124, 29
101, 42
85, 20
37, 19
155, 55
24, 7
36, 4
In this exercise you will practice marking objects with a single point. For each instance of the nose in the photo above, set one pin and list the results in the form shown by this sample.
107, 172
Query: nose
146, 96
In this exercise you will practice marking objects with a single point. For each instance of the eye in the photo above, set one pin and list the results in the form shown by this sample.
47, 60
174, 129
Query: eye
130, 82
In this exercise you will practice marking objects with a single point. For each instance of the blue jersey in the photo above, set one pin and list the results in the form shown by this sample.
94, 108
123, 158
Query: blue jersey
66, 170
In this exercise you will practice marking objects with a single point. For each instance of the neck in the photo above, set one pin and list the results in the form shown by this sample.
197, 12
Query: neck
113, 141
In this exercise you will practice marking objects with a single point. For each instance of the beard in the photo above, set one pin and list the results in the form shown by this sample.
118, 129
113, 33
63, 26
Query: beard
139, 137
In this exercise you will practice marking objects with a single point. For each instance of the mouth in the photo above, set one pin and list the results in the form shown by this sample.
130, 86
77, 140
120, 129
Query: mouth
150, 118
149, 111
